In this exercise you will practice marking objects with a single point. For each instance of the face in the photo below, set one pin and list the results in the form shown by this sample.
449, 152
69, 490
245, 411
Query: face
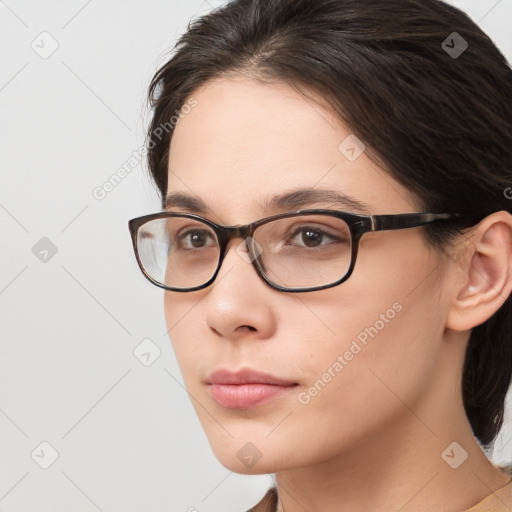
341, 350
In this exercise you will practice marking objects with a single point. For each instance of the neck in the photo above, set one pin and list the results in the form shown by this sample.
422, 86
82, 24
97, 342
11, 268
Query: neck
404, 466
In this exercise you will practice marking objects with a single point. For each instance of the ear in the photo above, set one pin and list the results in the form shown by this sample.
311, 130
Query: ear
486, 267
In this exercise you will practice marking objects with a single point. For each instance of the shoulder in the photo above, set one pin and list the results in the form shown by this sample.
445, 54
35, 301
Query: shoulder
268, 503
498, 501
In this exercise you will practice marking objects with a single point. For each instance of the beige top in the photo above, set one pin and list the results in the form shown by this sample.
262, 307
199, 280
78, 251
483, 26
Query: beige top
498, 501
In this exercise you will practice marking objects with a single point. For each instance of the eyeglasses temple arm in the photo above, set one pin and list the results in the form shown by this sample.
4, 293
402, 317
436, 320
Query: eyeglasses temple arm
407, 220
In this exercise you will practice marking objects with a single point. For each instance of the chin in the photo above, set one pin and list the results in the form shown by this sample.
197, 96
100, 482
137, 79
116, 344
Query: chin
259, 467
246, 458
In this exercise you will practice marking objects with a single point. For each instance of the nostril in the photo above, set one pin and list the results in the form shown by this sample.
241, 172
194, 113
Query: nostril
249, 327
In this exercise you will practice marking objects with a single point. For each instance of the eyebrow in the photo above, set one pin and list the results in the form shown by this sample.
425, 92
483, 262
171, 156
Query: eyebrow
292, 200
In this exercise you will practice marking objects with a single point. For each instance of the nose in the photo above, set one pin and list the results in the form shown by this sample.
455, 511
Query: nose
239, 302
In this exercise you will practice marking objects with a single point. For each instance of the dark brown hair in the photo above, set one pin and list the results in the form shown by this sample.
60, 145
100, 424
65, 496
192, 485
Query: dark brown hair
439, 122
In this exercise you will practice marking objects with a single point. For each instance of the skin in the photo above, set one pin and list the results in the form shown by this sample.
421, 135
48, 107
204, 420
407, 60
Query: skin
372, 439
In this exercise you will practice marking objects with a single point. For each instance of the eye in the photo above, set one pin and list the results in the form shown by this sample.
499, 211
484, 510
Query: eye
311, 237
196, 239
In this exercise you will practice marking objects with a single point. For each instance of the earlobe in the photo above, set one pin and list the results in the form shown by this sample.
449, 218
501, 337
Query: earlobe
487, 267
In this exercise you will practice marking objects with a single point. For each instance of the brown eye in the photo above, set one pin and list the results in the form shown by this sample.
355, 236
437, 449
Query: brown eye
311, 237
195, 239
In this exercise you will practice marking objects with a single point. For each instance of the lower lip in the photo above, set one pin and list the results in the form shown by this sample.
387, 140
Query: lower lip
245, 396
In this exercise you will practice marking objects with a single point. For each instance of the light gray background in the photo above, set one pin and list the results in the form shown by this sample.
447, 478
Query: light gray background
126, 434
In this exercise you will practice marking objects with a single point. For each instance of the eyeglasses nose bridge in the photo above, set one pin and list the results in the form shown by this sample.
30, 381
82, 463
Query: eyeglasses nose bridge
229, 233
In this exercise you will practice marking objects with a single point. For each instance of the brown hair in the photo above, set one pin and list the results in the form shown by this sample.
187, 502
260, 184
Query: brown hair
435, 114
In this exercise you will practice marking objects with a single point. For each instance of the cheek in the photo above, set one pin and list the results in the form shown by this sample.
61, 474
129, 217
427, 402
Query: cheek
358, 381
184, 330
375, 341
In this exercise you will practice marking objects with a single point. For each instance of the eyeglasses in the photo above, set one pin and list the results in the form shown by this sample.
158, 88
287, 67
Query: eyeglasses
299, 251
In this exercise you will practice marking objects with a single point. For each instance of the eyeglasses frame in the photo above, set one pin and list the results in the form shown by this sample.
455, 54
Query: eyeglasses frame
358, 225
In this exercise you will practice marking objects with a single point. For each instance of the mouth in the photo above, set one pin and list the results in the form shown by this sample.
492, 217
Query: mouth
246, 388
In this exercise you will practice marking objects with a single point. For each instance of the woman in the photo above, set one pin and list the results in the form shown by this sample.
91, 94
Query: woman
316, 125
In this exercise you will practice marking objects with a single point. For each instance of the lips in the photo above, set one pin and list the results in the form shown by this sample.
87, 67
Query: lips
246, 376
246, 388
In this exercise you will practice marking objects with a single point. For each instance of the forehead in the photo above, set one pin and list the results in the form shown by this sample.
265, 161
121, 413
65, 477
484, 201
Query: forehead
245, 142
